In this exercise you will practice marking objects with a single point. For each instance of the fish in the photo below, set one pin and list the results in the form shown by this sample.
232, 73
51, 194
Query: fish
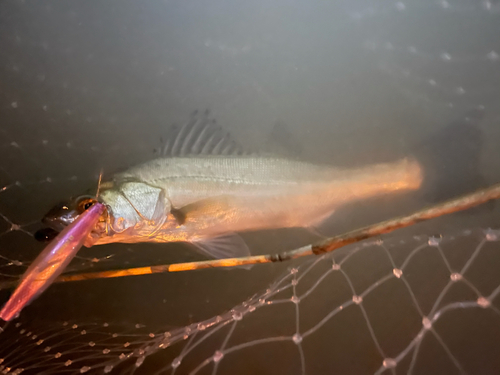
205, 189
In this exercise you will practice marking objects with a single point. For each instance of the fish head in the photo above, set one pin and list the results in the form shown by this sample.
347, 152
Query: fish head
134, 211
64, 214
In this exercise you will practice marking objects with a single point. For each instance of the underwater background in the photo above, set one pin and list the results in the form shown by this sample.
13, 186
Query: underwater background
87, 86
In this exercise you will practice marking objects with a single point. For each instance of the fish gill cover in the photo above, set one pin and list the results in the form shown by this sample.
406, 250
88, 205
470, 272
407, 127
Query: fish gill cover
90, 87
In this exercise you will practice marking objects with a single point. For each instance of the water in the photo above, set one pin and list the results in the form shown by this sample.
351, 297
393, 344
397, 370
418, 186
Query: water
91, 86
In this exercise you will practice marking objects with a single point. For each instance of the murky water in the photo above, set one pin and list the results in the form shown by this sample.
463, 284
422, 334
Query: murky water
91, 86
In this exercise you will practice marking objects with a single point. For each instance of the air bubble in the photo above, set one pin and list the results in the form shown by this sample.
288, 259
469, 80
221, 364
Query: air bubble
483, 302
14, 104
397, 272
493, 56
357, 299
455, 276
176, 362
389, 363
400, 6
218, 355
445, 56
426, 322
295, 299
297, 338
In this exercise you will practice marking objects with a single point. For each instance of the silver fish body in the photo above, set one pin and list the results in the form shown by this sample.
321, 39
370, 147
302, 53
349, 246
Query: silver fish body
196, 198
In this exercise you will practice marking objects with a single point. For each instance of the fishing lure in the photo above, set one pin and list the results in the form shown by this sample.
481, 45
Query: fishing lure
52, 261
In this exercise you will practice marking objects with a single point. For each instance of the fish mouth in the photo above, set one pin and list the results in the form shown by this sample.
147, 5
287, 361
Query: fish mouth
45, 234
55, 225
58, 224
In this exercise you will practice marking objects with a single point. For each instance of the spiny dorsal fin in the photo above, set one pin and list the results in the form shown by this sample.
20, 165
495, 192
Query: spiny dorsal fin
200, 135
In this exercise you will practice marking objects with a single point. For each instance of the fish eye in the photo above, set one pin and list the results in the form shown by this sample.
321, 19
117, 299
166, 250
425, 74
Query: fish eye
85, 203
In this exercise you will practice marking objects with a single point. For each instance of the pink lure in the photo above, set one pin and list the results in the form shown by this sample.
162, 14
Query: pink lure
51, 261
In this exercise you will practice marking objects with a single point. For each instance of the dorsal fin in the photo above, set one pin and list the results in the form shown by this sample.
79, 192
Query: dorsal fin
200, 135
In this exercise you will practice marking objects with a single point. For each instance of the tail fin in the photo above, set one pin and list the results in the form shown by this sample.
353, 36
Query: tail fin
451, 159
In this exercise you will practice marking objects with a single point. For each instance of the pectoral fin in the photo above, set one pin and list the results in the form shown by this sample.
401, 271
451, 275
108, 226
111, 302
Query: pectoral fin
222, 247
205, 209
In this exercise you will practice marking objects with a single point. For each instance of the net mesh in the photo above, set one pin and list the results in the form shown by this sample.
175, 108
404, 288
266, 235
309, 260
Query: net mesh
400, 304
322, 315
